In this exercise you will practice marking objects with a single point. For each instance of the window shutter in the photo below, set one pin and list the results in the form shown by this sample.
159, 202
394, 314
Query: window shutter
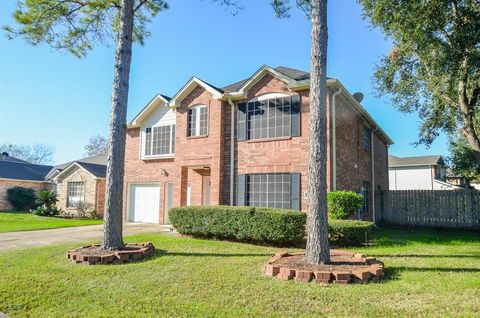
296, 110
241, 186
295, 190
242, 122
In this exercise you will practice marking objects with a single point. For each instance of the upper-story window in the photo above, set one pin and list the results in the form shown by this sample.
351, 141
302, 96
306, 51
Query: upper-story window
269, 118
159, 141
367, 139
197, 121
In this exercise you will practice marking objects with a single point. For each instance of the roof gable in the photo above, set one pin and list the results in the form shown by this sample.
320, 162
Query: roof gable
157, 101
190, 86
94, 170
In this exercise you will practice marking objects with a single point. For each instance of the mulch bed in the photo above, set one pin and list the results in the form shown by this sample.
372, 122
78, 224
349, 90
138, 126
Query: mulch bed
96, 255
344, 268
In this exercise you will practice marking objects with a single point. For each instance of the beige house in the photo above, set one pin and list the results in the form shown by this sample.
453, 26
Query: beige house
80, 184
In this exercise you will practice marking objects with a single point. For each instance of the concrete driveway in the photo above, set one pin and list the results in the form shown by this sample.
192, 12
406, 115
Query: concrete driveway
26, 239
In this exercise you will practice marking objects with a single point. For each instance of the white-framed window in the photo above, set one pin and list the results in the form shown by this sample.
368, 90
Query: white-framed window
197, 121
159, 141
269, 190
75, 193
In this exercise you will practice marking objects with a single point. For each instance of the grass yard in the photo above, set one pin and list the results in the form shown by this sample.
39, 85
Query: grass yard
430, 274
24, 221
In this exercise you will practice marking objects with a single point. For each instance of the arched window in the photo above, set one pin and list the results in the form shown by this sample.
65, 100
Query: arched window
197, 121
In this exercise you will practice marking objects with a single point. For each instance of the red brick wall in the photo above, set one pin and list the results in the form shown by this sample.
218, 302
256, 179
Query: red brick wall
7, 184
144, 171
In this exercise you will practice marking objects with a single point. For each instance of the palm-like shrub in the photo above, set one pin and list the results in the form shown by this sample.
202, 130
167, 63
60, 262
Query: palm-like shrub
47, 201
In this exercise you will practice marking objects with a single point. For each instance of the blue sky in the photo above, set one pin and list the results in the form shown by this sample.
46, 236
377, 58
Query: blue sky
52, 97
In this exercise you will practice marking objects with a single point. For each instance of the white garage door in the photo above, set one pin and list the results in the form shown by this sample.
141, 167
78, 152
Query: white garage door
144, 203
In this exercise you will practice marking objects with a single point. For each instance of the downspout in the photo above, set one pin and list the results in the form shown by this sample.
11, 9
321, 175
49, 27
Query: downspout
232, 149
334, 140
373, 174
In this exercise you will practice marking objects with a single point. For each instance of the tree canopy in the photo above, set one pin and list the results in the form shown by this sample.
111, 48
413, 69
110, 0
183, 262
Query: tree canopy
434, 65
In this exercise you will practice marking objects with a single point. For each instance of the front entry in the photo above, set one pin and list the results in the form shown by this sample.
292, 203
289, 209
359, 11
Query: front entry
206, 190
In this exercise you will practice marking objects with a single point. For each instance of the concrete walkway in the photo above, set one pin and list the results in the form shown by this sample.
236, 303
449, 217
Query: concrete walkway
26, 239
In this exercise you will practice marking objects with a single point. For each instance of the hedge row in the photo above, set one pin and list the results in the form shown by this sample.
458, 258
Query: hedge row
259, 225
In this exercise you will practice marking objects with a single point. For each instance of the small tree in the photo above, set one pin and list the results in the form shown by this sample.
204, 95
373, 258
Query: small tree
343, 204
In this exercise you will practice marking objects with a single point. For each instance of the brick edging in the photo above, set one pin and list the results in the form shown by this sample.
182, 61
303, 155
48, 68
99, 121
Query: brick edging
374, 272
115, 257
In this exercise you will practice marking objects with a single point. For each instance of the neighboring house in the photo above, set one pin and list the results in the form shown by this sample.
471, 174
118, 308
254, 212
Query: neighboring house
418, 173
80, 182
247, 144
19, 173
457, 180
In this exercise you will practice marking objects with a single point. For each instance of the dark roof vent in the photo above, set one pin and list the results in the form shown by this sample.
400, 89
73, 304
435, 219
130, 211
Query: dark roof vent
358, 97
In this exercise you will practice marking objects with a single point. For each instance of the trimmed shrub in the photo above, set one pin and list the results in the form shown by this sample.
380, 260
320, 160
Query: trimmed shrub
21, 199
343, 204
348, 232
245, 224
260, 225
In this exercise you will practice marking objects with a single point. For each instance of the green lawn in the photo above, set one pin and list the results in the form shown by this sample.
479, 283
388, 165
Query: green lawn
24, 221
430, 274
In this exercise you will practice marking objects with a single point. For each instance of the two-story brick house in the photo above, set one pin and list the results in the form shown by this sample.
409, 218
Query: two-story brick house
246, 144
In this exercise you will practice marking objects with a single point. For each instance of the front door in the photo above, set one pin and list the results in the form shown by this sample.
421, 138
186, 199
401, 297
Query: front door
168, 200
206, 190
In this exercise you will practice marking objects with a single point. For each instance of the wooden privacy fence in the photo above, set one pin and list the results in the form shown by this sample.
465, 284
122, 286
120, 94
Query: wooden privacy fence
430, 208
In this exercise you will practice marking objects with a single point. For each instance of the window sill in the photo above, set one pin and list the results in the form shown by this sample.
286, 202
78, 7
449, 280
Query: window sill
197, 137
158, 157
251, 141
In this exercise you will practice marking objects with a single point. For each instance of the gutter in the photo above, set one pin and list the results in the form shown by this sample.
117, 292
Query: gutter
334, 140
373, 174
232, 148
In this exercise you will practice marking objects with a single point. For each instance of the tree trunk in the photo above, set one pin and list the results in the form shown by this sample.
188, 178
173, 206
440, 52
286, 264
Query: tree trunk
118, 118
467, 112
318, 250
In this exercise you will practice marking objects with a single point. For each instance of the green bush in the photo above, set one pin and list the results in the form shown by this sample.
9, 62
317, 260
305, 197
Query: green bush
47, 201
348, 232
260, 225
21, 199
343, 204
245, 224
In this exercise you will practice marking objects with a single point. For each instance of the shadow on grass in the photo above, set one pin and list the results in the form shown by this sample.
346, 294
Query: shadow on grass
387, 237
163, 253
395, 272
426, 255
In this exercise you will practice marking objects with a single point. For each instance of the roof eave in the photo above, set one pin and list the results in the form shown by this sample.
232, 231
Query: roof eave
188, 88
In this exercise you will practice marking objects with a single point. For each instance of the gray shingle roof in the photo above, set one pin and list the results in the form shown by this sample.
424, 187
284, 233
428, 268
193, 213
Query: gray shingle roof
23, 171
394, 161
96, 170
10, 158
97, 160
296, 74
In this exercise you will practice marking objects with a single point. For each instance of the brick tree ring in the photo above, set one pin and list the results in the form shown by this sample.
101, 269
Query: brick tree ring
344, 268
95, 255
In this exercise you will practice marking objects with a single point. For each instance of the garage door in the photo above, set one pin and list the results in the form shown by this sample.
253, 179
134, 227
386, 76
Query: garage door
144, 203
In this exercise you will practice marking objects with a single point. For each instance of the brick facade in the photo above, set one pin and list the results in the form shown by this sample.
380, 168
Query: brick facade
210, 155
6, 184
94, 190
